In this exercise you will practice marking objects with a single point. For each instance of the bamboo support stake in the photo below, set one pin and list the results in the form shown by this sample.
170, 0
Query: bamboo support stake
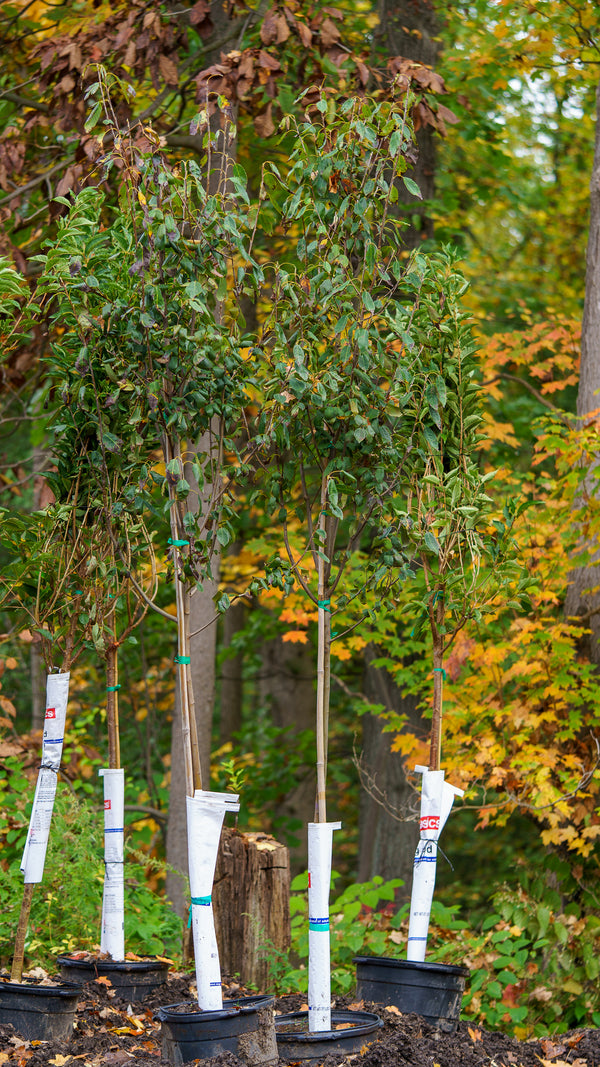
435, 750
323, 634
112, 708
196, 765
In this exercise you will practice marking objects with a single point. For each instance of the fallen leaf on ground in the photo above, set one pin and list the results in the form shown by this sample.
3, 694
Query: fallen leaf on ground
59, 1061
475, 1035
393, 1008
550, 1049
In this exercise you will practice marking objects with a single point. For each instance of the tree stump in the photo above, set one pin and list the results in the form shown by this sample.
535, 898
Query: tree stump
251, 899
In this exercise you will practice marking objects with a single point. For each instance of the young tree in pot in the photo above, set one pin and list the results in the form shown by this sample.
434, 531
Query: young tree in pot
464, 560
340, 412
148, 296
50, 550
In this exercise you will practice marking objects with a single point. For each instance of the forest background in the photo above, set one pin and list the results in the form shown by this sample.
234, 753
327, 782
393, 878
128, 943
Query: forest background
504, 108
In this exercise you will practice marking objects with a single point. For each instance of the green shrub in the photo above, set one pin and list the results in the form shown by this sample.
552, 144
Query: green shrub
534, 961
67, 905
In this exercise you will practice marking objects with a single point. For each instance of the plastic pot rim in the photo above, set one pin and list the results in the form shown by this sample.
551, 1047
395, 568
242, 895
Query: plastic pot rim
390, 961
236, 1006
370, 1022
126, 966
32, 985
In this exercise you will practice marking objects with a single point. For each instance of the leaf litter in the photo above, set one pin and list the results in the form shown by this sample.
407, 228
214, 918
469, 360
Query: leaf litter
110, 1032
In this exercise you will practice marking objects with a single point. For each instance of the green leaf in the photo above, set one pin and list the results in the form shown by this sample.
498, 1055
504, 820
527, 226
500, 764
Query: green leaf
431, 542
412, 187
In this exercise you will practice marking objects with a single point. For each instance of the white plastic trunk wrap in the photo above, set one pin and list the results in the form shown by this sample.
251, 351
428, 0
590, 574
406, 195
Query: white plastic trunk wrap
34, 853
113, 908
437, 798
320, 846
205, 814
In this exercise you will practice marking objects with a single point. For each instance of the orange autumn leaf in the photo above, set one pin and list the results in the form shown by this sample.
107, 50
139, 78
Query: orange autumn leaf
299, 637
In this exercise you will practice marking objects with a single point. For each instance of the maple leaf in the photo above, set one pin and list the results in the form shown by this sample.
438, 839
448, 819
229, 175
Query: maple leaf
296, 637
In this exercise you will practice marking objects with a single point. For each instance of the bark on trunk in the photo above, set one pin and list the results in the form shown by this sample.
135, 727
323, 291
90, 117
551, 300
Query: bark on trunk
287, 688
388, 815
203, 678
580, 602
409, 28
231, 675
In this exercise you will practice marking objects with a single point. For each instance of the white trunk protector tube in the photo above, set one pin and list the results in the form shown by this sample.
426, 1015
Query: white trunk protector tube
320, 846
205, 814
34, 853
113, 906
437, 798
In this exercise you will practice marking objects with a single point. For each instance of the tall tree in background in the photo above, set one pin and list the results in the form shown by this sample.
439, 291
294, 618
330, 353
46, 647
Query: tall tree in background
583, 598
388, 830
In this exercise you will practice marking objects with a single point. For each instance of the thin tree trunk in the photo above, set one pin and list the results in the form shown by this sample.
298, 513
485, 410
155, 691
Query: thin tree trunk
580, 600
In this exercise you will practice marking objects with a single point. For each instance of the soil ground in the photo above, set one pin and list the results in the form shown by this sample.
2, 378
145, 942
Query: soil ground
108, 1031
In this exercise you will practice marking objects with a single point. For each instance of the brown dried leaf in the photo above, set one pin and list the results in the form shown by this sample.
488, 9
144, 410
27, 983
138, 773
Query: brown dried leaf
268, 29
363, 71
66, 182
283, 30
550, 1049
446, 114
329, 33
267, 61
263, 123
168, 70
130, 55
7, 706
199, 12
75, 60
304, 33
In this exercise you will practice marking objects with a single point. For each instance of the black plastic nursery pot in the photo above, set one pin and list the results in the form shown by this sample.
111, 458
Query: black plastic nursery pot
39, 1012
131, 979
432, 990
296, 1043
243, 1026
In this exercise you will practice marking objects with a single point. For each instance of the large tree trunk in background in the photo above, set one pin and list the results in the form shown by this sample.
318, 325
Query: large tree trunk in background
231, 688
203, 643
203, 648
407, 28
579, 601
42, 496
287, 687
389, 806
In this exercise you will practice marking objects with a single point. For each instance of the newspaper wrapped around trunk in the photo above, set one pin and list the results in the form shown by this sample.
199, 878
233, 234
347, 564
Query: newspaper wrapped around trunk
437, 798
113, 907
320, 845
205, 814
34, 853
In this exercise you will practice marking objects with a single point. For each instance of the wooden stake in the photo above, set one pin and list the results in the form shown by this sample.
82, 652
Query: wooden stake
112, 708
323, 635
